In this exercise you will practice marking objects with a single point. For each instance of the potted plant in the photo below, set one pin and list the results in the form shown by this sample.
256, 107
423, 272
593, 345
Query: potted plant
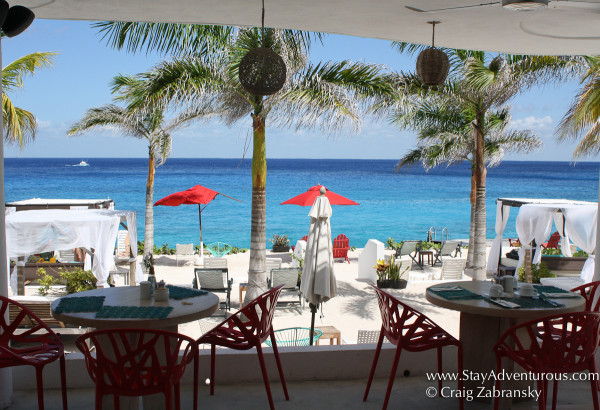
390, 274
281, 243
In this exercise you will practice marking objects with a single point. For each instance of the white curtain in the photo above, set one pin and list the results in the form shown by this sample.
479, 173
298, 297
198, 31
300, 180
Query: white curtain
581, 225
502, 213
533, 223
132, 229
565, 243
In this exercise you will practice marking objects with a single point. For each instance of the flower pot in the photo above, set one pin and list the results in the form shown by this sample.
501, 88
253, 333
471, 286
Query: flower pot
392, 284
281, 248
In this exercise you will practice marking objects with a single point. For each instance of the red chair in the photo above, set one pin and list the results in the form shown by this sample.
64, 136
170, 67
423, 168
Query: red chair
410, 330
138, 362
588, 292
341, 246
247, 328
552, 345
35, 346
552, 242
305, 238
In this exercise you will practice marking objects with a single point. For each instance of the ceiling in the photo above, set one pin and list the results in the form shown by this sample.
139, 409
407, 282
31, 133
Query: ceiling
552, 31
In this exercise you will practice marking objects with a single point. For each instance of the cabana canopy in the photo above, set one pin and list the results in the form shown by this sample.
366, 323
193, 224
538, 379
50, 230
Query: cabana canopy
31, 232
574, 220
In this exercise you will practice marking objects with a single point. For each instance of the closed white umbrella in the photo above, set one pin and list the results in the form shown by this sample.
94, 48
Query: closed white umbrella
318, 281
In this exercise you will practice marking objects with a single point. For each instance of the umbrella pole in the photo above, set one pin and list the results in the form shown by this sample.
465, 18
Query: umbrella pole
313, 311
201, 243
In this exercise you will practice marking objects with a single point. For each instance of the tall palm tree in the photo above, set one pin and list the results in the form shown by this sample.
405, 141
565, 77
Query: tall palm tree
20, 125
479, 82
444, 138
582, 121
330, 95
149, 124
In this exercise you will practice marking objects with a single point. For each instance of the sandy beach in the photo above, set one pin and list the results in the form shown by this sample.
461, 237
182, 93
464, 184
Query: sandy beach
354, 307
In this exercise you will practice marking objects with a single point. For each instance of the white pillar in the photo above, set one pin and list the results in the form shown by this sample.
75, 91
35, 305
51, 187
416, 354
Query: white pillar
6, 386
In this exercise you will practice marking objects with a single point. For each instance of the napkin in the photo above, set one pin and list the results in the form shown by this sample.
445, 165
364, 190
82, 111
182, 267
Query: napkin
445, 288
504, 303
560, 295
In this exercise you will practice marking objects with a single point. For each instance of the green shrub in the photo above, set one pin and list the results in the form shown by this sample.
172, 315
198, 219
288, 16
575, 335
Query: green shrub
551, 251
78, 280
581, 253
280, 240
45, 280
392, 244
424, 245
538, 271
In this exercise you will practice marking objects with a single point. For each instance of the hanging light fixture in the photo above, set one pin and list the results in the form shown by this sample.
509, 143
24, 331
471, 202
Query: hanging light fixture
262, 71
432, 63
15, 20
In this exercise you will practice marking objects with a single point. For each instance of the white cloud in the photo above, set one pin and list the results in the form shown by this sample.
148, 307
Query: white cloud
43, 124
539, 124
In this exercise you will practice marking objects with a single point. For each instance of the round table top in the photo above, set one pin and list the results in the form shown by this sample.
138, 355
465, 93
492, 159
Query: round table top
184, 310
485, 308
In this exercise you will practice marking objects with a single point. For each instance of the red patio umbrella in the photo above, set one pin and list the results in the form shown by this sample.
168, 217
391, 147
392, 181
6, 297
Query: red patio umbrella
196, 195
308, 198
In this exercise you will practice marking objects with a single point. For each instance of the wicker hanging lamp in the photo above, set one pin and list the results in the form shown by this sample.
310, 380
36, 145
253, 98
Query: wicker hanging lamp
432, 63
262, 71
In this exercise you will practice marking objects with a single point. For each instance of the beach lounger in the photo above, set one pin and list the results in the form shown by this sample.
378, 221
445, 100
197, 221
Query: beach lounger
453, 268
446, 249
211, 263
214, 280
272, 263
185, 252
410, 248
288, 277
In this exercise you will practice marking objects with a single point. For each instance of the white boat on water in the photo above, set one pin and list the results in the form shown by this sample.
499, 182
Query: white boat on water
81, 164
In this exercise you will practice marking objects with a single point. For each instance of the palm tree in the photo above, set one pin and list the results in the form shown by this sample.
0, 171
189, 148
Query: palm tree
20, 125
582, 121
149, 124
330, 95
480, 83
444, 138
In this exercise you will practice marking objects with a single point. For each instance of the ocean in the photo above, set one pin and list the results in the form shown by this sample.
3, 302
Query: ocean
402, 205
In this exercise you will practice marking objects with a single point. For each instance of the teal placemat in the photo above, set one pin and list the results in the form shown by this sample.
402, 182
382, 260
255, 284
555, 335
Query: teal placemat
80, 304
532, 303
179, 292
134, 312
549, 289
455, 294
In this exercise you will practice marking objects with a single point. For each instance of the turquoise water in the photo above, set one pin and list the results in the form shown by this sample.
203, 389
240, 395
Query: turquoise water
400, 205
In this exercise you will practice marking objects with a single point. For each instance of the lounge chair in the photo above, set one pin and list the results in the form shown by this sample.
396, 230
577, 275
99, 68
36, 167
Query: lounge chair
184, 251
211, 263
272, 263
288, 277
453, 268
552, 242
446, 249
122, 244
66, 256
341, 246
214, 280
410, 248
218, 249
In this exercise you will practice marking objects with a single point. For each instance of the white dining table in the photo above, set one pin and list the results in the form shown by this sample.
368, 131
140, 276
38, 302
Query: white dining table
184, 310
483, 322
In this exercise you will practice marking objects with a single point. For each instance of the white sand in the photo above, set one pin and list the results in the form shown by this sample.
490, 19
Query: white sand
354, 307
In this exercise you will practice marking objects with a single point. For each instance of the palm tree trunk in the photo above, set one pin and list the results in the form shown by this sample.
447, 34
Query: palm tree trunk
472, 225
257, 277
480, 228
149, 221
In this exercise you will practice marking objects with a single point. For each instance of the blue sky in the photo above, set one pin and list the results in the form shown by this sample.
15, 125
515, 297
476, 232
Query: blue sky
85, 66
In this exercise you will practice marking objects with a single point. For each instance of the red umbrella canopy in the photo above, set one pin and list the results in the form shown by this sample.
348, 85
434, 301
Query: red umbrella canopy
195, 195
308, 198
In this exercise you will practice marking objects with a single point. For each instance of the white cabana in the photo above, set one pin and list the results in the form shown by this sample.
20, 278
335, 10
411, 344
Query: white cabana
30, 232
574, 220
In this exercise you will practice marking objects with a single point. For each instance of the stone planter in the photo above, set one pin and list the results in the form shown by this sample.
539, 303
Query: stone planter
392, 284
281, 248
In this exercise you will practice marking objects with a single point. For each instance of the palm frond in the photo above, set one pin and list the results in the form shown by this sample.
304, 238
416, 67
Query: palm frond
20, 126
14, 72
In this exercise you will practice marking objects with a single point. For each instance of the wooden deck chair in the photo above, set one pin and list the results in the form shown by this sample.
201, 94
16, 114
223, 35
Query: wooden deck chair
185, 252
410, 248
453, 268
214, 280
288, 277
447, 248
552, 242
341, 246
